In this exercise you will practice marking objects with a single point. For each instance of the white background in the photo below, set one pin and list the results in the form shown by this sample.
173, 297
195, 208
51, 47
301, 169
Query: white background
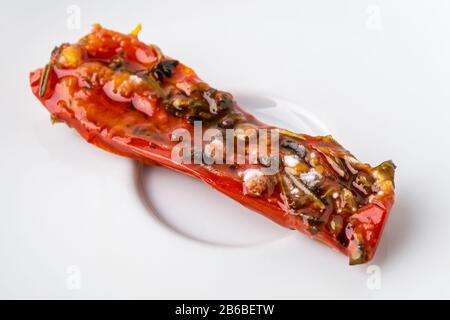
377, 73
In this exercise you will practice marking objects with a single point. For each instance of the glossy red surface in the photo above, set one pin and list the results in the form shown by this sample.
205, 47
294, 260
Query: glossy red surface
117, 111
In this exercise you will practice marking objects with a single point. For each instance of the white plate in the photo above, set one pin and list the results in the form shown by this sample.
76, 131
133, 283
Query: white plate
75, 220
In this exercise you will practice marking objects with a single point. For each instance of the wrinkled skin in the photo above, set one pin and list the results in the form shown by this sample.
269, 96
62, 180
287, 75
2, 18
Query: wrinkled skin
126, 97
